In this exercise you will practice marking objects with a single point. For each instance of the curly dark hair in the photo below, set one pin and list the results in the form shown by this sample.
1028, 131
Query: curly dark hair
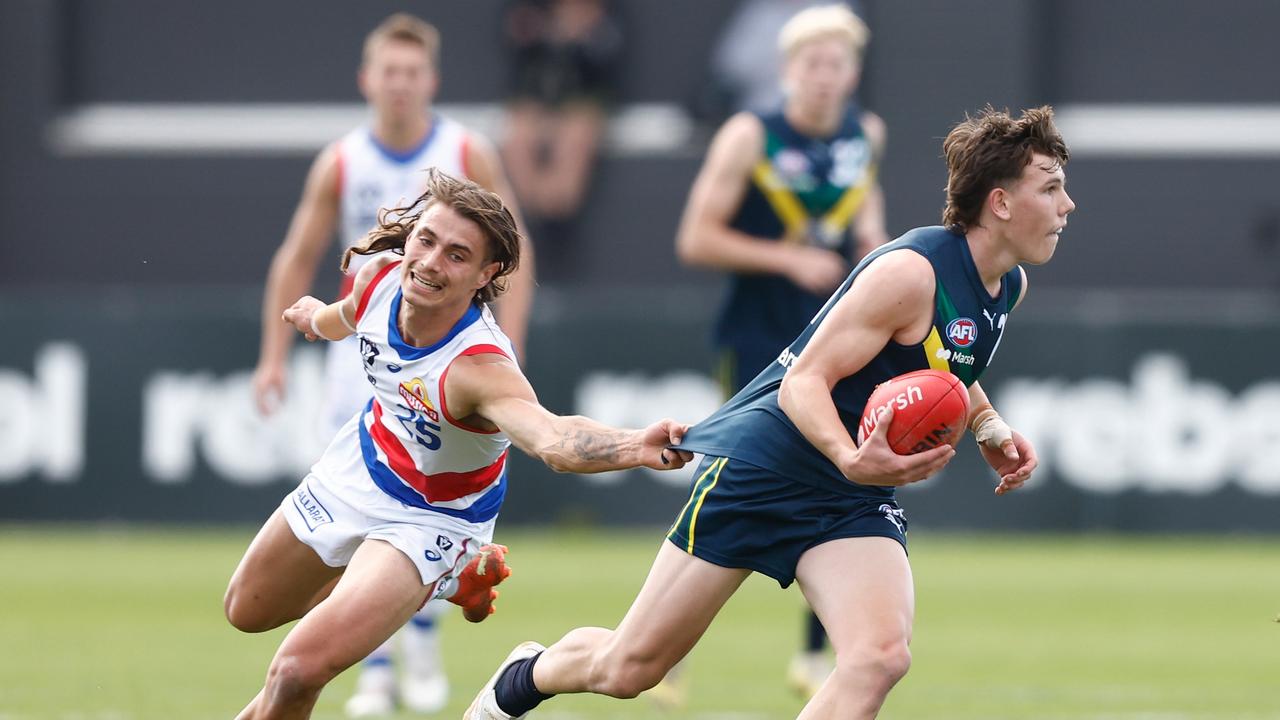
469, 200
989, 150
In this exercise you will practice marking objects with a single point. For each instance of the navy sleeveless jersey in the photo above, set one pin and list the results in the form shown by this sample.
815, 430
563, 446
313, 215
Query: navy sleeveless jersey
967, 326
804, 190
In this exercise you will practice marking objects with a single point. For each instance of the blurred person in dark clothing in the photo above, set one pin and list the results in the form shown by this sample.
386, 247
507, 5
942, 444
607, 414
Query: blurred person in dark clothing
741, 76
786, 202
563, 58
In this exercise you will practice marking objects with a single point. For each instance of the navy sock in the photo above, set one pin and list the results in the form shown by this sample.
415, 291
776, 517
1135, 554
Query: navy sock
815, 634
515, 691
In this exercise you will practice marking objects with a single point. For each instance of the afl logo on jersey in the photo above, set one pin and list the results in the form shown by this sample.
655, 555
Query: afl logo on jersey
962, 332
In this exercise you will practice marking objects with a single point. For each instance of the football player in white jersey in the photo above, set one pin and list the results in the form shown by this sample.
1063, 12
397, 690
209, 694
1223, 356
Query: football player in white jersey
401, 507
379, 165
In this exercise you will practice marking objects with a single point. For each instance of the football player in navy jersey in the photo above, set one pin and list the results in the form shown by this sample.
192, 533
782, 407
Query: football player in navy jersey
787, 219
783, 488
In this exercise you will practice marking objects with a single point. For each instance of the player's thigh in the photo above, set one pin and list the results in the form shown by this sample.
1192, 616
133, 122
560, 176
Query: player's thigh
679, 599
278, 578
380, 590
861, 589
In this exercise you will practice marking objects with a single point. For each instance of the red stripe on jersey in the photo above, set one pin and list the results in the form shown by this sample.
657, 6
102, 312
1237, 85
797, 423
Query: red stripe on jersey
368, 292
473, 350
347, 284
440, 487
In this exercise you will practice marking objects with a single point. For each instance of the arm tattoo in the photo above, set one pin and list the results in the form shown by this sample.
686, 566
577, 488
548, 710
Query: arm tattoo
587, 446
587, 450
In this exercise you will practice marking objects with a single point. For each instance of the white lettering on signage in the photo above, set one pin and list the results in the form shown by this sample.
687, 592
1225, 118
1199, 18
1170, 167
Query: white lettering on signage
185, 415
42, 417
1162, 431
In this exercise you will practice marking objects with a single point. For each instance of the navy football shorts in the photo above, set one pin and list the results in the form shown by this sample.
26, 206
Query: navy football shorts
743, 516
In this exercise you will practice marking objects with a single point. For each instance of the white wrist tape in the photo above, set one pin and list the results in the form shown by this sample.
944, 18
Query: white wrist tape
990, 430
315, 330
343, 317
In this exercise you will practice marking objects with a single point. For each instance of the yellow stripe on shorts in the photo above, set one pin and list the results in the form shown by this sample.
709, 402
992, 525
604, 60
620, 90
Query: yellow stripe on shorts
693, 494
693, 519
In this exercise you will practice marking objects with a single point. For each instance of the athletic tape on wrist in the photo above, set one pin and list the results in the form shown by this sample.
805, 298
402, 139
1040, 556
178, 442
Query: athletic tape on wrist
990, 429
343, 317
315, 330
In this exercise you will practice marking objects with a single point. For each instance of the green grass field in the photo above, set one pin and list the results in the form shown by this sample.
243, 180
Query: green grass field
126, 624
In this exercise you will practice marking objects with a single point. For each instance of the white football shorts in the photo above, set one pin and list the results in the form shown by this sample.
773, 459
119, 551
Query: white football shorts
337, 506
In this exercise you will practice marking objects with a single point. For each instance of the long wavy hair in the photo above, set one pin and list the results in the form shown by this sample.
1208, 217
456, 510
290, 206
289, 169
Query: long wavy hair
469, 200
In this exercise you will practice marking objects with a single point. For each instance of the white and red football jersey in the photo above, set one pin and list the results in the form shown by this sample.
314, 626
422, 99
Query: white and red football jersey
413, 448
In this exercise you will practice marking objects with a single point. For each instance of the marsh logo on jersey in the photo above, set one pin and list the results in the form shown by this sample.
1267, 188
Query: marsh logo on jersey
954, 356
962, 332
414, 393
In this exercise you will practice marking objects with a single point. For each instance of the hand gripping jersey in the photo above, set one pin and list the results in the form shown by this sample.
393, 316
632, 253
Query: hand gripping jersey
372, 176
967, 326
414, 450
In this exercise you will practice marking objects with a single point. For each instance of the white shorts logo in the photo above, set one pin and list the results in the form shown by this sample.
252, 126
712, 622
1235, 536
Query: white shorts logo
312, 512
893, 515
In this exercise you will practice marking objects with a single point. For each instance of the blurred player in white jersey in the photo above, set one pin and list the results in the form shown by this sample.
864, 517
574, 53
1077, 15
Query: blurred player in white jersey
401, 507
379, 165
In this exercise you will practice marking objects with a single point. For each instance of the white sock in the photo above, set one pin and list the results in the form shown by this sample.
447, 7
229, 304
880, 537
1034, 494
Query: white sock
376, 672
420, 641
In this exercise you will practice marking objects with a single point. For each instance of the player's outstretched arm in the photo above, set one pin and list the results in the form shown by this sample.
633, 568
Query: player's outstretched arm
317, 320
488, 390
1008, 453
893, 296
293, 269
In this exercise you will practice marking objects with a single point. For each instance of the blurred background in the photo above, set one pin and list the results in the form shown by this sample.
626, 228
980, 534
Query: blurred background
154, 152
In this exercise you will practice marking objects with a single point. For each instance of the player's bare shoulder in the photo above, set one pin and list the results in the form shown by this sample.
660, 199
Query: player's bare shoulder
370, 270
742, 136
902, 273
476, 382
736, 148
482, 162
324, 179
896, 291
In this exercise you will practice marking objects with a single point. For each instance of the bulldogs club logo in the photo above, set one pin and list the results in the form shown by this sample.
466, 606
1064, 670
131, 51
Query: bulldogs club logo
414, 394
962, 332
